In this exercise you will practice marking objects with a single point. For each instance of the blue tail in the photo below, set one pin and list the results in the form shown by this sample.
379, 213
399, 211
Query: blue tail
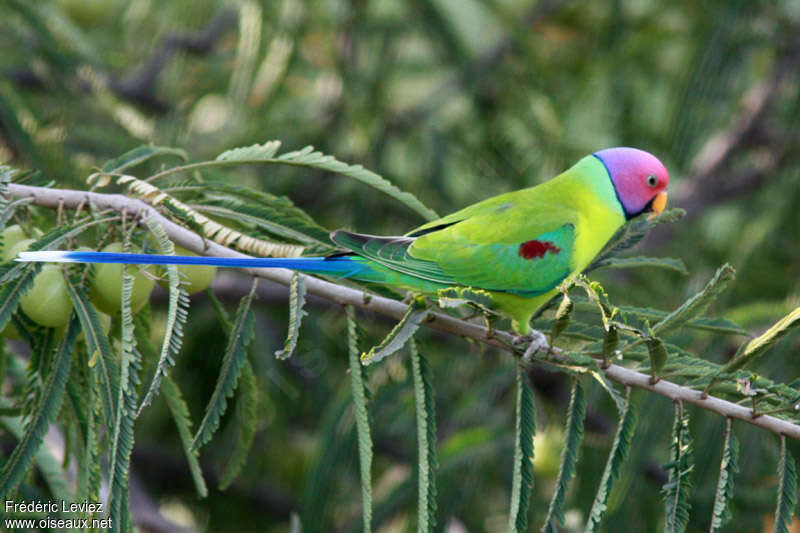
341, 266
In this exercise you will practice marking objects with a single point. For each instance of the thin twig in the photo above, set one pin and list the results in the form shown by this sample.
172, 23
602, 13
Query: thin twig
46, 197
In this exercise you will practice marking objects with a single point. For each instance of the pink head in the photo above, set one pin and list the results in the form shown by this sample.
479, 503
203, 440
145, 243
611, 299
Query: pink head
639, 178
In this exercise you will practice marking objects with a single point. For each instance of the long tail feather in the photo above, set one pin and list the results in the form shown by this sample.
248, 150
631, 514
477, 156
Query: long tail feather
337, 266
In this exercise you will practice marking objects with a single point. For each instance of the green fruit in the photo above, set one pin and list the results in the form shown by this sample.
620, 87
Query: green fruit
107, 285
47, 302
195, 278
11, 236
19, 246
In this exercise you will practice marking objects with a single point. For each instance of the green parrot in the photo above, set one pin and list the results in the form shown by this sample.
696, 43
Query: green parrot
518, 246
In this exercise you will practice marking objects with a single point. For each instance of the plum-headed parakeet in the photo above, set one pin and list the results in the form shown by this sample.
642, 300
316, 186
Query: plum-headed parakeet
518, 246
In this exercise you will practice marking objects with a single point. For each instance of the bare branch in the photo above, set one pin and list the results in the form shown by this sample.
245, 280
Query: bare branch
348, 296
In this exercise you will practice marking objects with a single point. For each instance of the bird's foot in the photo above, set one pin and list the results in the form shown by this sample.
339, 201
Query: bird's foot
489, 328
535, 341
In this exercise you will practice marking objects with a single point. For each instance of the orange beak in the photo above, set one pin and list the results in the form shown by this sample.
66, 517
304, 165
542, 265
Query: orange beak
659, 203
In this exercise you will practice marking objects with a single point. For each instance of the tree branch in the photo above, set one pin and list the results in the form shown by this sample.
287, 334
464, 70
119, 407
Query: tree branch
53, 198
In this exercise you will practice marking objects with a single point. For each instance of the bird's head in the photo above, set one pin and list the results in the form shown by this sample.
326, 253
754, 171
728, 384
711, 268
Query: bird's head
639, 178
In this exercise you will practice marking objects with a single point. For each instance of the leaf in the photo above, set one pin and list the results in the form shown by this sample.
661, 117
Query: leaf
297, 300
180, 414
177, 313
359, 391
727, 469
787, 490
676, 490
658, 355
698, 303
758, 346
232, 361
631, 233
12, 290
522, 479
399, 335
246, 422
457, 296
619, 453
610, 342
426, 441
204, 225
569, 458
255, 152
101, 359
122, 432
307, 157
43, 415
139, 155
563, 314
667, 263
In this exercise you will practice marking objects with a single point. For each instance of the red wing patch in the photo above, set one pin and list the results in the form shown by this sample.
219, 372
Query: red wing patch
535, 249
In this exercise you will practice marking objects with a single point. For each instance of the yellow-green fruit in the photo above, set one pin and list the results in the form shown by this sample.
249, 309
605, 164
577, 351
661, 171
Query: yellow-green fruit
107, 285
11, 236
47, 302
105, 325
196, 278
19, 246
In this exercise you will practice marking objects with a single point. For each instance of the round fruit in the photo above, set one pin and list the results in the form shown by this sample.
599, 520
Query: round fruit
47, 302
11, 236
19, 246
195, 278
107, 285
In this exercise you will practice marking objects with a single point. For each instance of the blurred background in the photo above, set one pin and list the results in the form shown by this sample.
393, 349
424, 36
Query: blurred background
454, 101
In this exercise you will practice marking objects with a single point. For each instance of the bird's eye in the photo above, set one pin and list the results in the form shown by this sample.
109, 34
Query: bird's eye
652, 180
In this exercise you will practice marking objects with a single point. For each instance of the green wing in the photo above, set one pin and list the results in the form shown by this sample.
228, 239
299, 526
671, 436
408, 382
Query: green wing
516, 243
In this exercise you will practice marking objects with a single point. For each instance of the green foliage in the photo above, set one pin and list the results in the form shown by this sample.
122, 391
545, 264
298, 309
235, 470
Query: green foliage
569, 457
729, 467
360, 396
177, 313
676, 490
426, 440
399, 335
246, 424
620, 449
522, 481
758, 346
297, 300
232, 362
46, 411
787, 490
180, 414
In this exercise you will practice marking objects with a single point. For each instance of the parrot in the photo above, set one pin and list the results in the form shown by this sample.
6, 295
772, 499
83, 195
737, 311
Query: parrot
518, 246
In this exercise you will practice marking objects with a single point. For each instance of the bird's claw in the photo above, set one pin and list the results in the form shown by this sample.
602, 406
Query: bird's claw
535, 340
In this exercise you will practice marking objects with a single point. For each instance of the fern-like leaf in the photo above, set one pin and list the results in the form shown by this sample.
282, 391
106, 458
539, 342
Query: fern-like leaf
122, 432
668, 263
101, 359
183, 421
232, 361
45, 412
619, 453
522, 479
676, 490
728, 468
360, 395
756, 347
569, 458
297, 300
246, 423
399, 335
139, 155
426, 440
787, 490
698, 303
177, 313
